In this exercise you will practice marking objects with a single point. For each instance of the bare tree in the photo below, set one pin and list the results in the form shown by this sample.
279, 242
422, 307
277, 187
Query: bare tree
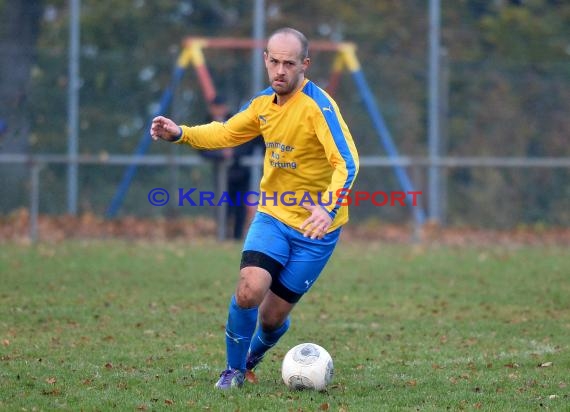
19, 30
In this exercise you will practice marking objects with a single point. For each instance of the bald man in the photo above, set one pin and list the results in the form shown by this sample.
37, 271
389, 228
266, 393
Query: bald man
310, 163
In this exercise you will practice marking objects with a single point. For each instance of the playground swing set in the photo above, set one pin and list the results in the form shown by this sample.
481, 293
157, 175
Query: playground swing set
192, 55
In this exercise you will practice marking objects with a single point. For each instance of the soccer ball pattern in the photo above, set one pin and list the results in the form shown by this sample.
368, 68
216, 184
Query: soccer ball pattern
307, 366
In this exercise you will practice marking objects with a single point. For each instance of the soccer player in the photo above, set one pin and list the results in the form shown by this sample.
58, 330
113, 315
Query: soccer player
310, 161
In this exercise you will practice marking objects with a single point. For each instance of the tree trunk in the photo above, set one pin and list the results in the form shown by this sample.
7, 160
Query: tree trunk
19, 30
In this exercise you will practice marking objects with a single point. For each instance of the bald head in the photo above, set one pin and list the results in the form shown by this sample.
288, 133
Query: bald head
294, 34
286, 61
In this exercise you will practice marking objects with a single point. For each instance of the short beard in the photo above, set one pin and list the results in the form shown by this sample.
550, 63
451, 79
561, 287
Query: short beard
282, 92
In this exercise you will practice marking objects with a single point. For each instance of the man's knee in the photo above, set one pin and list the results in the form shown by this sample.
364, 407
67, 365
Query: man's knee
252, 286
271, 321
273, 312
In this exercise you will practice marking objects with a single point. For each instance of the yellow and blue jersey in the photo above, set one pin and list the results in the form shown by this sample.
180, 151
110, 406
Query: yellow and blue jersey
310, 155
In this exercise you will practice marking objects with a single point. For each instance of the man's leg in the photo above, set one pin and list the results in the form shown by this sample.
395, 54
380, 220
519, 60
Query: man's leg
242, 319
239, 328
273, 324
239, 210
264, 253
305, 264
239, 221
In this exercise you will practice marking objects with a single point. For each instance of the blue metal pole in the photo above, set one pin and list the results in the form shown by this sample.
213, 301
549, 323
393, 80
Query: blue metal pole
73, 106
257, 81
257, 56
386, 140
434, 209
144, 144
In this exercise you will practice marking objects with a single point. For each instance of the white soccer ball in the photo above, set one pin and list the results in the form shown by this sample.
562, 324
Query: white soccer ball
307, 366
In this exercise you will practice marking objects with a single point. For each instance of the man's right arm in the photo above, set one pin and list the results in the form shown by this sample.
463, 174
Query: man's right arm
237, 130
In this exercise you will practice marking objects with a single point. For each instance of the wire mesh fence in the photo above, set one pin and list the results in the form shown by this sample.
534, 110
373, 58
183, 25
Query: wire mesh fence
505, 99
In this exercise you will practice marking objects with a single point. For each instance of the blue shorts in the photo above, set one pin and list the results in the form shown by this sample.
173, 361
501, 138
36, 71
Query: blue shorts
301, 259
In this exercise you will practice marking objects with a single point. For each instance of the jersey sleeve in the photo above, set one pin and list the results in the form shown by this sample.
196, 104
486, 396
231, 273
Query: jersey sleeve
340, 150
238, 129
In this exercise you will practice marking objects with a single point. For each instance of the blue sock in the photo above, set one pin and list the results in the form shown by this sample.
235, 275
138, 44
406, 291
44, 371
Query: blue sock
263, 341
239, 328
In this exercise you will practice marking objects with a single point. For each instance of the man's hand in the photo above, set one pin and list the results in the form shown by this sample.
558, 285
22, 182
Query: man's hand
165, 129
317, 224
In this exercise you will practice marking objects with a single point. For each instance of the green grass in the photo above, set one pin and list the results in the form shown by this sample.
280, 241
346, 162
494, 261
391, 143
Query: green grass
117, 325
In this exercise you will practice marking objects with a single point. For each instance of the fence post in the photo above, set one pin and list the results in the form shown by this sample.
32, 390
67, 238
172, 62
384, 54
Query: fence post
434, 60
416, 179
443, 131
34, 200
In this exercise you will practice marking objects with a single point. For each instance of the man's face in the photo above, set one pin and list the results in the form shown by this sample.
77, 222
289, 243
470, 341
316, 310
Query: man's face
285, 66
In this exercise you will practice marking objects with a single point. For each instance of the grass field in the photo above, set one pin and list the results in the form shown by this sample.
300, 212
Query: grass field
117, 325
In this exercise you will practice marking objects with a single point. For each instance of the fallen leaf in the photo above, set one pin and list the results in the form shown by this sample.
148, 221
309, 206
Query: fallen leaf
545, 365
51, 380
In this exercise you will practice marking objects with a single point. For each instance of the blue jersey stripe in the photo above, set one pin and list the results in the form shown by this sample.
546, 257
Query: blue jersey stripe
267, 92
331, 118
